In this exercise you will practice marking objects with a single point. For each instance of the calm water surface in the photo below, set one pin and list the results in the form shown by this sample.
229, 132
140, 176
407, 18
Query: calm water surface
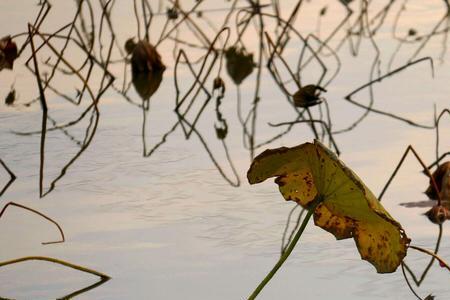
169, 226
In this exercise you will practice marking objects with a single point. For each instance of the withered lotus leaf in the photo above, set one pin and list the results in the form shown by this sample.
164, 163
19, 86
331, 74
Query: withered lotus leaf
348, 209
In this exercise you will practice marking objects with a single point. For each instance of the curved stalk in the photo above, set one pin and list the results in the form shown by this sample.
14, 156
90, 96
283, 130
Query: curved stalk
286, 253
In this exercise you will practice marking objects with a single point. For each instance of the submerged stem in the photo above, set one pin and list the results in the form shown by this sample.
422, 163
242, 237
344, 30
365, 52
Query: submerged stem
287, 252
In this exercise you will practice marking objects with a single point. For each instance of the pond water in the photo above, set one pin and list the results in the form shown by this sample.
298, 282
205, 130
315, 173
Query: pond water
169, 226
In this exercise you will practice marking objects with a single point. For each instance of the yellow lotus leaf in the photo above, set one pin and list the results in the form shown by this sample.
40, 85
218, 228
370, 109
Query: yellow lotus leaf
309, 173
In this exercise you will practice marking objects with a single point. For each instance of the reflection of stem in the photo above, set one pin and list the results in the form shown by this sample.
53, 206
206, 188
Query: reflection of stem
434, 256
297, 224
56, 261
436, 163
312, 121
43, 12
58, 127
93, 123
426, 39
163, 140
91, 129
418, 282
245, 133
164, 34
138, 23
44, 111
316, 135
145, 110
407, 282
437, 120
85, 289
40, 214
381, 112
198, 85
281, 134
287, 252
11, 179
257, 96
426, 170
237, 181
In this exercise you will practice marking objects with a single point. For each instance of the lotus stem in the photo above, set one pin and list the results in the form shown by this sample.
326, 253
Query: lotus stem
288, 251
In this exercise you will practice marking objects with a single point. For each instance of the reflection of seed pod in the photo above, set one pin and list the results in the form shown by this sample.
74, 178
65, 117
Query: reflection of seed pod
346, 2
219, 84
239, 64
145, 58
147, 83
172, 13
130, 44
8, 53
221, 132
308, 95
147, 69
412, 32
438, 214
442, 177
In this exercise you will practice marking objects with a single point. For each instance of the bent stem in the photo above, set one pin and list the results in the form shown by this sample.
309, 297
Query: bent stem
434, 256
62, 240
441, 261
287, 252
56, 261
408, 283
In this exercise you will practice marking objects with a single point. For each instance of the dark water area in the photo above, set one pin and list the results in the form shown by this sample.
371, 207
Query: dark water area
143, 158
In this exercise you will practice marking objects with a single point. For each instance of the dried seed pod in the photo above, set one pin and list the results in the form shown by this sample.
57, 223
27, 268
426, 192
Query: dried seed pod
412, 32
8, 53
438, 214
221, 132
147, 68
172, 13
11, 97
145, 58
219, 84
130, 44
308, 95
442, 178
